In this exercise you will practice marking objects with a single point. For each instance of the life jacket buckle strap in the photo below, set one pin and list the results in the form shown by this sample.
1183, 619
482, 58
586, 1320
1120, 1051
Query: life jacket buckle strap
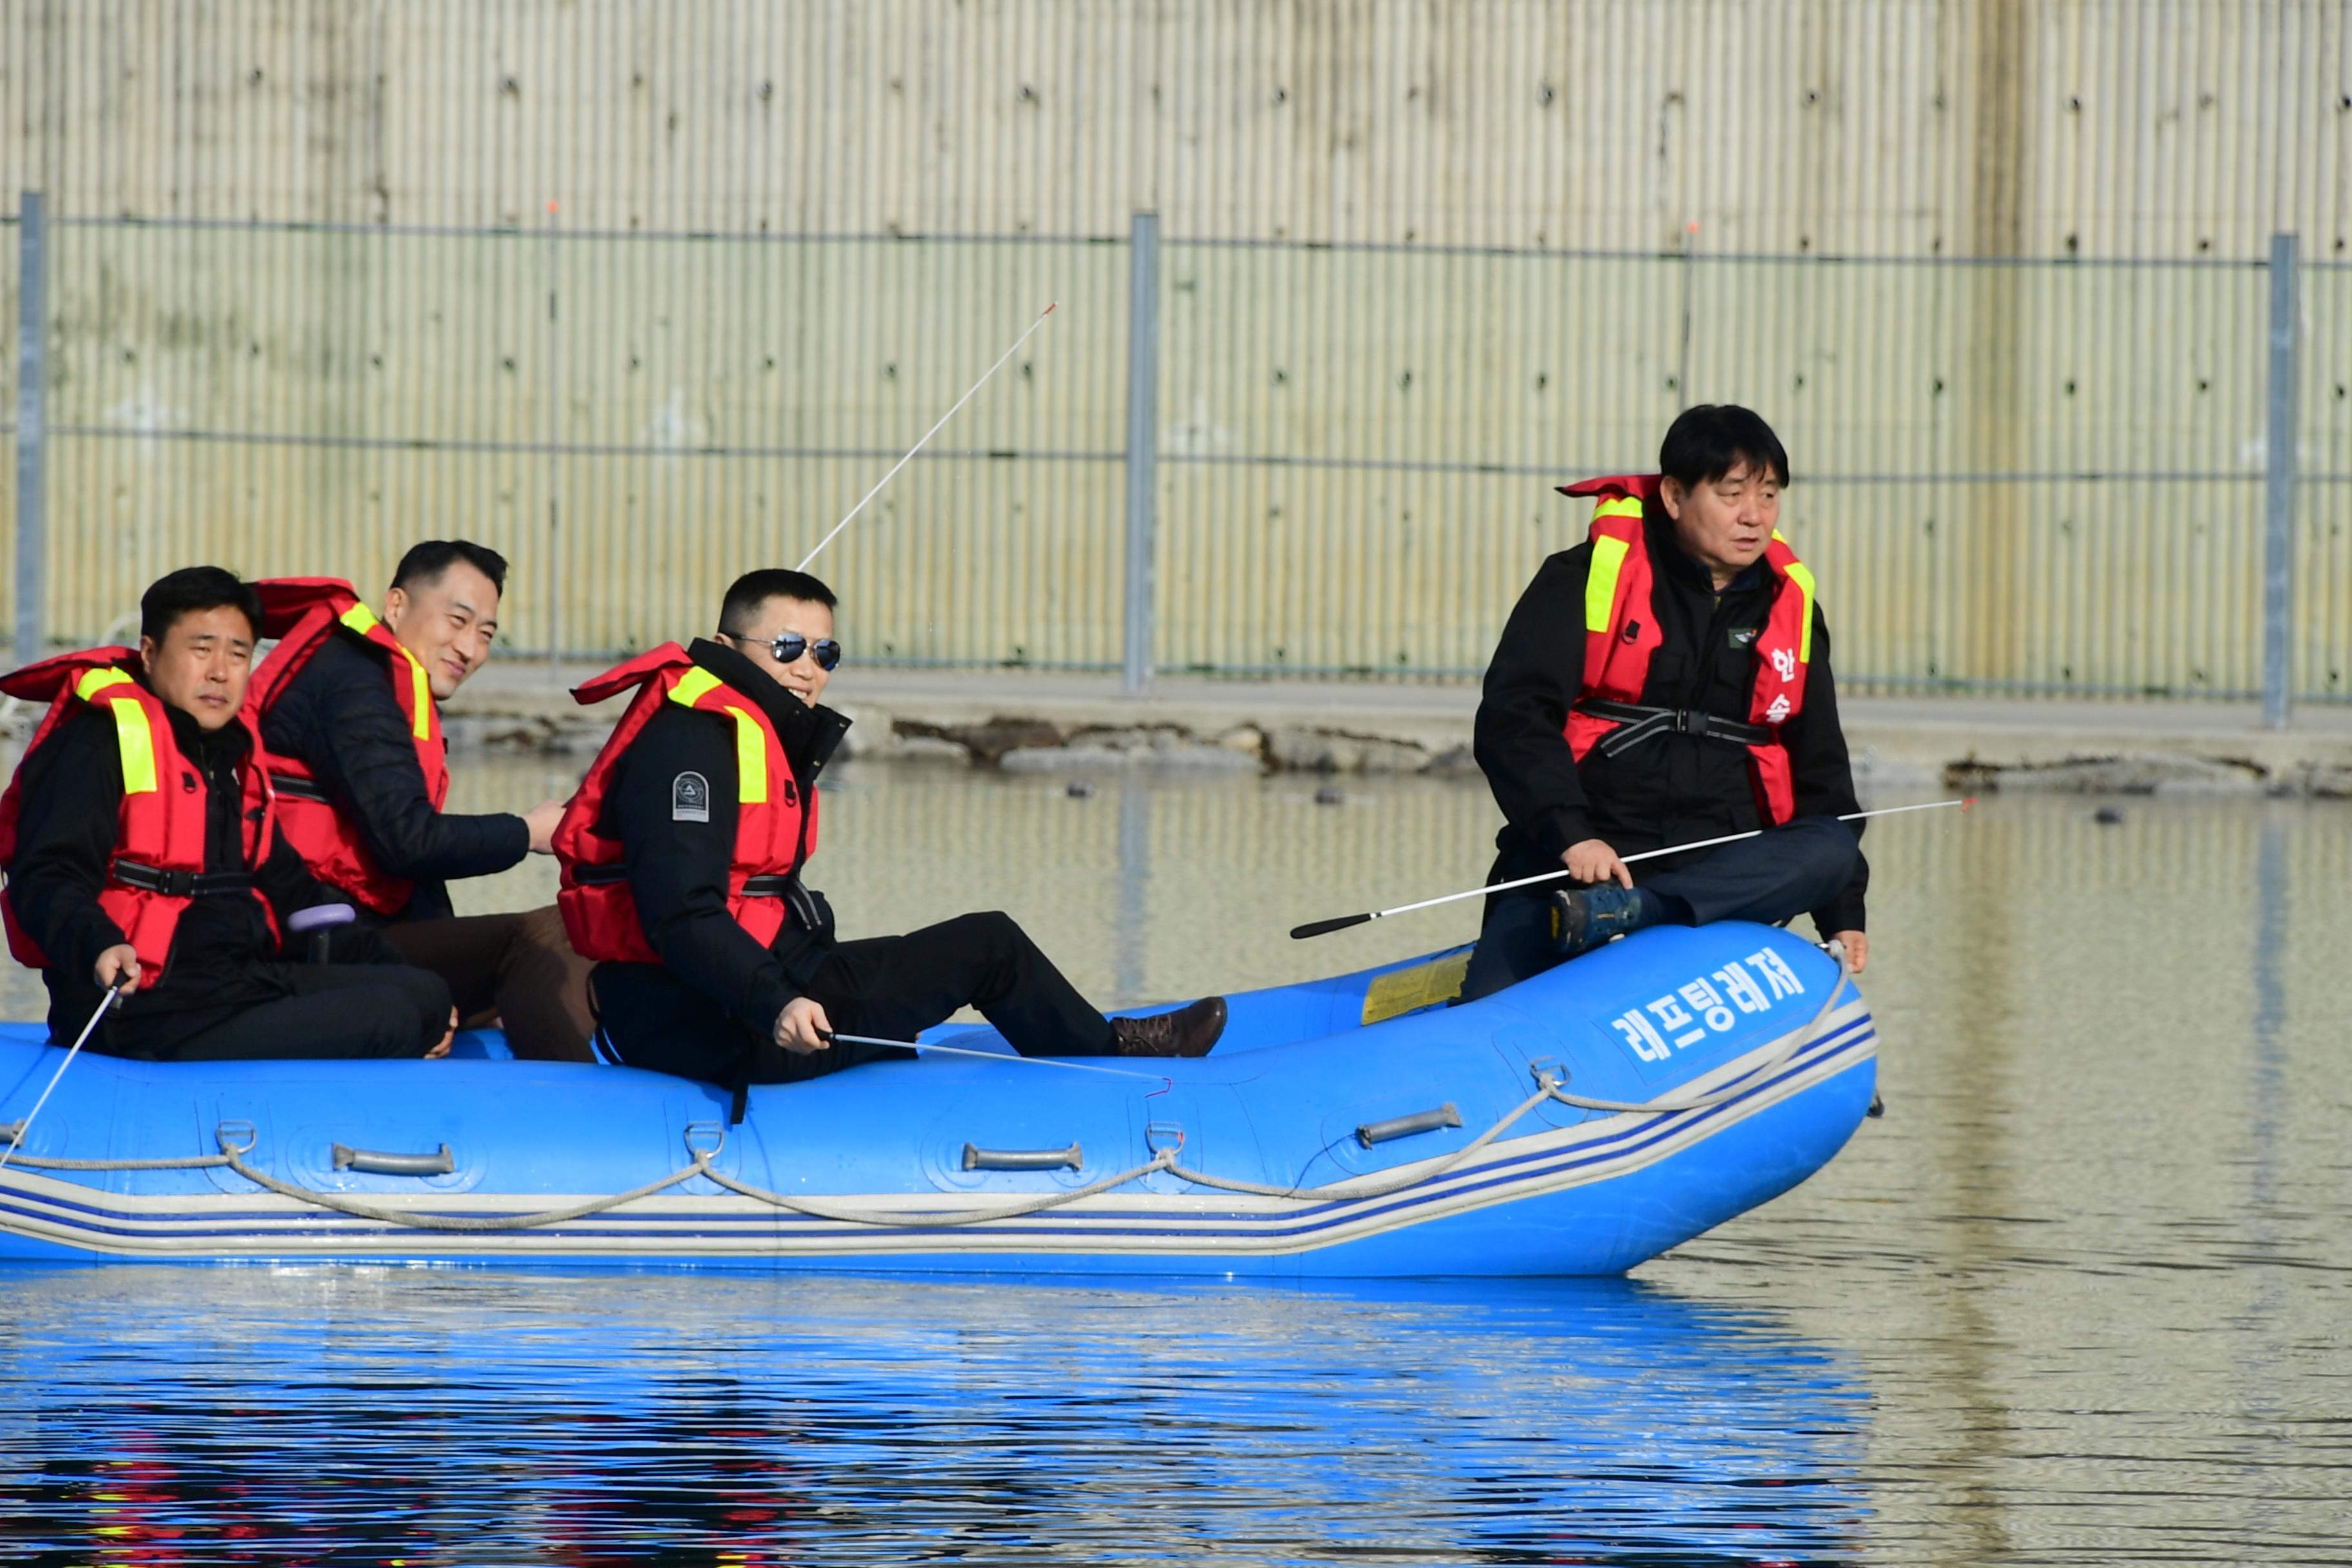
1637, 723
180, 884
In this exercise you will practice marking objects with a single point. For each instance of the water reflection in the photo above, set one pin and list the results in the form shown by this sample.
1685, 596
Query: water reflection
166, 1416
2093, 1269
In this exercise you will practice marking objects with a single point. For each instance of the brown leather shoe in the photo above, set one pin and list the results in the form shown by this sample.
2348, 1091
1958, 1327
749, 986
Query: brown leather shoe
1186, 1032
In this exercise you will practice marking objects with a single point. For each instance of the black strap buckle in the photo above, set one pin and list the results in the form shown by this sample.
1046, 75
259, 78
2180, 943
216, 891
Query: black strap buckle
769, 887
180, 884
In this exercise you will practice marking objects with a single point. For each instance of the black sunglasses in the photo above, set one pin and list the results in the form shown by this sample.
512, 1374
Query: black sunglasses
789, 647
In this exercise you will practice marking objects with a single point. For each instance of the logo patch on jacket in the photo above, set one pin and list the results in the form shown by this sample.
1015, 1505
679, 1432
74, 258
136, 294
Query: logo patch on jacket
689, 798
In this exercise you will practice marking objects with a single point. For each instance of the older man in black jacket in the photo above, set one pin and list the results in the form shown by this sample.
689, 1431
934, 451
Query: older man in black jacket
1668, 682
221, 984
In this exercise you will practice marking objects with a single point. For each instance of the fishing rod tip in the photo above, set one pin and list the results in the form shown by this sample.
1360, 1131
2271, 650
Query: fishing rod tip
1967, 802
1047, 311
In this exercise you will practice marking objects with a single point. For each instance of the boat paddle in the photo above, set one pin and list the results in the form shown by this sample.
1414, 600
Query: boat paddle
829, 1037
934, 430
1318, 928
25, 1128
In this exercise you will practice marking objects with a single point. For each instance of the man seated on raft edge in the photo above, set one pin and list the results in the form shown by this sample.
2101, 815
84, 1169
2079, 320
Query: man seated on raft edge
142, 853
1667, 681
348, 706
682, 879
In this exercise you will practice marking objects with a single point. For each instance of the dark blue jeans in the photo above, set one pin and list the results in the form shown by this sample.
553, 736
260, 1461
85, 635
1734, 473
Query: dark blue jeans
1770, 877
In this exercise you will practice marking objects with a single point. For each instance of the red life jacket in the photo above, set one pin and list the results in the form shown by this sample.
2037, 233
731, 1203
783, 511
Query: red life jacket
159, 850
1621, 633
775, 820
302, 613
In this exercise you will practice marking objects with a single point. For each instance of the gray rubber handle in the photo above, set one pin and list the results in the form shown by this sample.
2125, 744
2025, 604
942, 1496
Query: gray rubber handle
1372, 1132
321, 917
368, 1162
976, 1158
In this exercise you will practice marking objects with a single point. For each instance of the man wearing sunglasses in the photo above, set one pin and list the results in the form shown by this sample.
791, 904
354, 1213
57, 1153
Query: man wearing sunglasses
682, 857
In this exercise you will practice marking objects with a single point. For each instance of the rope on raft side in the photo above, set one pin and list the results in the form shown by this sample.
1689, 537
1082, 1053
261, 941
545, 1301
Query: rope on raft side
232, 1157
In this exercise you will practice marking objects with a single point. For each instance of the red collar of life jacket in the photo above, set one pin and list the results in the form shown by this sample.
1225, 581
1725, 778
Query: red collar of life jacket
302, 613
159, 842
1621, 633
776, 819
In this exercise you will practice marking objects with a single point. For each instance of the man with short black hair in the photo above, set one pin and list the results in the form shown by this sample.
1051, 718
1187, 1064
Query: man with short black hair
142, 854
349, 707
682, 857
1664, 682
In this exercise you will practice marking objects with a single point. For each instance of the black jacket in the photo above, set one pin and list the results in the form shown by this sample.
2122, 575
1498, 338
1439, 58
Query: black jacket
1673, 789
677, 870
339, 717
223, 957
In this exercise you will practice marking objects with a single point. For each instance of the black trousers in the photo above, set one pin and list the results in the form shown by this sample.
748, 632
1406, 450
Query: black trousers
892, 988
329, 1010
1770, 877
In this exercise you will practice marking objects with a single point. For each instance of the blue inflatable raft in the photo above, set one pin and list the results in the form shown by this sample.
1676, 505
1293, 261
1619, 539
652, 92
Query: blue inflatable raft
1577, 1123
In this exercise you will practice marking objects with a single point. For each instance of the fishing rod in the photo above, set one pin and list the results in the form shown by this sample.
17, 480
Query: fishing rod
25, 1128
829, 1036
934, 430
1319, 928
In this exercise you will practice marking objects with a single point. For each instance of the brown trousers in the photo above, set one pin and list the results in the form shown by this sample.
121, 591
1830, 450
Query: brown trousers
517, 968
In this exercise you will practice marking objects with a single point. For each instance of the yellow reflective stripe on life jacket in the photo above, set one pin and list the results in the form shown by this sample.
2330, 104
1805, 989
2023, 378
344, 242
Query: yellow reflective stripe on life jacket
97, 681
751, 759
132, 735
363, 620
1617, 506
420, 697
1802, 576
137, 743
750, 738
693, 687
1600, 583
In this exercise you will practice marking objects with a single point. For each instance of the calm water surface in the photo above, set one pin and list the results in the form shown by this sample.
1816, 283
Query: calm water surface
2081, 1297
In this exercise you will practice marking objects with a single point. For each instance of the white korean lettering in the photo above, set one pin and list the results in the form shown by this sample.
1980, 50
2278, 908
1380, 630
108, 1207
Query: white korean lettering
1648, 1043
1776, 974
1709, 1003
1684, 1029
1740, 985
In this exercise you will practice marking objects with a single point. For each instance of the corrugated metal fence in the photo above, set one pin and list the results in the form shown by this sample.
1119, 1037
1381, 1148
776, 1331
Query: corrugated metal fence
1993, 267
2011, 475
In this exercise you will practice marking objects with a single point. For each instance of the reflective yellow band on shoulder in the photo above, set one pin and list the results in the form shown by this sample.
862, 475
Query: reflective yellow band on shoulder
1802, 576
98, 680
420, 697
1619, 506
693, 687
360, 619
1600, 583
138, 744
751, 759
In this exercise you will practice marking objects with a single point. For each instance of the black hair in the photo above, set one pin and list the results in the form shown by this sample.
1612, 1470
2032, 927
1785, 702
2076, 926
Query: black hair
753, 589
1708, 441
424, 564
191, 589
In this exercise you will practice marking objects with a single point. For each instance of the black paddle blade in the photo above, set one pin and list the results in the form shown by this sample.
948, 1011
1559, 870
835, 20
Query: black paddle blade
1318, 928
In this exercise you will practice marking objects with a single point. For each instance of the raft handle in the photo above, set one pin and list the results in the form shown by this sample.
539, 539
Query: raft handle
12, 1133
1372, 1132
367, 1162
976, 1158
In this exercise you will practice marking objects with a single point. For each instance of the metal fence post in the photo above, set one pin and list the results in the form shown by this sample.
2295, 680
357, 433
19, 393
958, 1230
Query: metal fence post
1142, 444
2278, 519
32, 424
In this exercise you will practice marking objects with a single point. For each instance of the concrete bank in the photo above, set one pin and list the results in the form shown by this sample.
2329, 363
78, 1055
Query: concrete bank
1053, 721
